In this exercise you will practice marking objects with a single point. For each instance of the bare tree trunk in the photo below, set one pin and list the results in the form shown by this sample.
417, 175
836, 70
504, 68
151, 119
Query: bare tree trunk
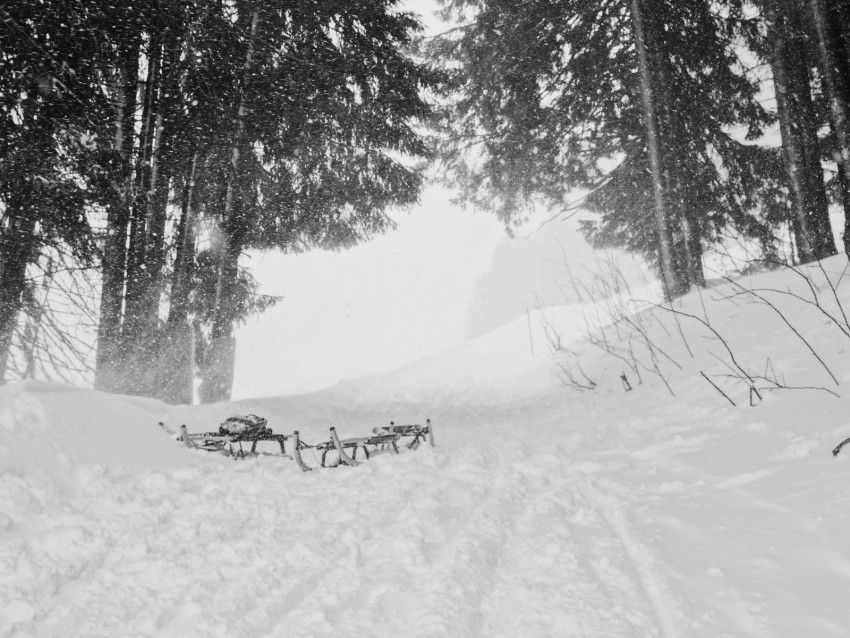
670, 278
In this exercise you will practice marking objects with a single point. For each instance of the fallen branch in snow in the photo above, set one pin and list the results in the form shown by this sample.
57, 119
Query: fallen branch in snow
840, 445
570, 379
716, 387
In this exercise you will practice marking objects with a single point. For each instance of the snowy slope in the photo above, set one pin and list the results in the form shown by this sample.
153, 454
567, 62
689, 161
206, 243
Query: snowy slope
543, 511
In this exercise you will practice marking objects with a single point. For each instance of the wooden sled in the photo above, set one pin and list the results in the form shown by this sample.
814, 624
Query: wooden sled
224, 443
416, 433
384, 440
368, 446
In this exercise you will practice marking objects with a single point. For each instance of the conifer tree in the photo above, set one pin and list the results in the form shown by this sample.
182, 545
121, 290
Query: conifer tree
47, 102
788, 51
831, 22
547, 95
258, 124
190, 132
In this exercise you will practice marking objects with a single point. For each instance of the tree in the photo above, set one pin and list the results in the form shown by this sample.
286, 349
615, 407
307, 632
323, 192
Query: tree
326, 100
260, 125
832, 28
648, 84
45, 67
169, 138
551, 96
788, 54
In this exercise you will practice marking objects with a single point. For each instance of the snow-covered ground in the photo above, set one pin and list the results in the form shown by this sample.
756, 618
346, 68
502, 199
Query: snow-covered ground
542, 510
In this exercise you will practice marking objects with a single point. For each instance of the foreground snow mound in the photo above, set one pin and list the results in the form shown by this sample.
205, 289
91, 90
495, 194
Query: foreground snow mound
546, 509
54, 426
52, 438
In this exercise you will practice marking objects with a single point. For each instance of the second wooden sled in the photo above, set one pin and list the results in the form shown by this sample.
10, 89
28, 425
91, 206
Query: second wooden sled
384, 440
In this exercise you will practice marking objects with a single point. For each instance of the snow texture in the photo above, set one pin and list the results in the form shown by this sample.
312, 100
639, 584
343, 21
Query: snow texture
542, 511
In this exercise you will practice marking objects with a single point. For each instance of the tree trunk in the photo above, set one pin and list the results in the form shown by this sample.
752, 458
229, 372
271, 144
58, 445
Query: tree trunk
137, 314
109, 358
178, 343
220, 360
184, 261
800, 146
34, 325
17, 247
840, 31
161, 174
836, 84
673, 286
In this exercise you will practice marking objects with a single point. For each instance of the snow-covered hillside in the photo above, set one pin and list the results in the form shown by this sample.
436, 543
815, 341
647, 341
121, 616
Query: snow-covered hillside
542, 511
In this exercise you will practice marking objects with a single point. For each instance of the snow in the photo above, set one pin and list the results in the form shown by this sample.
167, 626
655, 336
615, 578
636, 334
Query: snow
542, 510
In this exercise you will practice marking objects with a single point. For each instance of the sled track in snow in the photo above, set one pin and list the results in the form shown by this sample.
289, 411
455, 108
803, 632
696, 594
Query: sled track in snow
638, 560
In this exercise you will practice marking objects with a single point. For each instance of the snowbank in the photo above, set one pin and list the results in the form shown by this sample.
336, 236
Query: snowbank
543, 510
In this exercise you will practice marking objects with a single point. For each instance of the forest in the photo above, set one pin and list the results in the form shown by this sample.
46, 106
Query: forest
145, 146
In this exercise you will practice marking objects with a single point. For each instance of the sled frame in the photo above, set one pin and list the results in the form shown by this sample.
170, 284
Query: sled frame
217, 442
418, 433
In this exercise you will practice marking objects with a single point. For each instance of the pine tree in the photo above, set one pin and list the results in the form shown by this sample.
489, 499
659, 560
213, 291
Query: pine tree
547, 95
788, 52
831, 21
255, 124
46, 103
343, 96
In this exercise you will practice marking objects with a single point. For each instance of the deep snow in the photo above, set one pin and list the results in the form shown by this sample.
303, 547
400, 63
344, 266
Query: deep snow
543, 511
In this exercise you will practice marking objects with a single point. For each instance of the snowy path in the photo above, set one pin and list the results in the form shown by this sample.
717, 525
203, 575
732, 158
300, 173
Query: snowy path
596, 532
541, 512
